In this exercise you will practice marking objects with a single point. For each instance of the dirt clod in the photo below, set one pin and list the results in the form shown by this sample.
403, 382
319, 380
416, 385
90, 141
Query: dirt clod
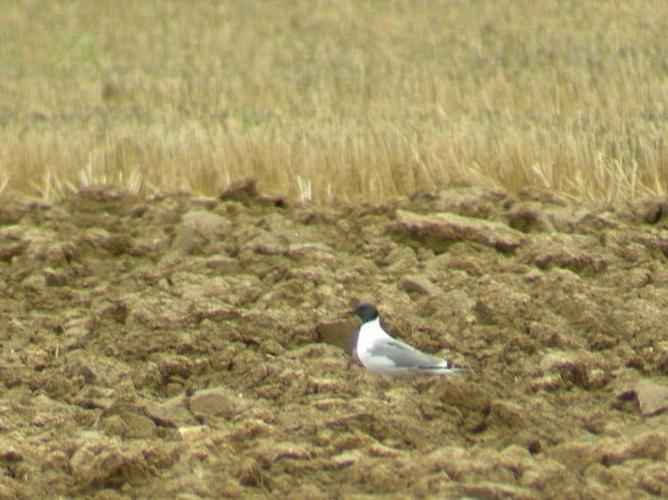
440, 229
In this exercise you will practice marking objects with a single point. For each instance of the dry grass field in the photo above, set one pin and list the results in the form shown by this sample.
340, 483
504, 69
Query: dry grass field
335, 100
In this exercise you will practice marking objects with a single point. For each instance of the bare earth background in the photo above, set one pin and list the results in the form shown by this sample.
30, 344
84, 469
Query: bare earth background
335, 100
183, 346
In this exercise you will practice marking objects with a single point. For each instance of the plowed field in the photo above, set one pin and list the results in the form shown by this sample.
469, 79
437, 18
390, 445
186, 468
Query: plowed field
177, 346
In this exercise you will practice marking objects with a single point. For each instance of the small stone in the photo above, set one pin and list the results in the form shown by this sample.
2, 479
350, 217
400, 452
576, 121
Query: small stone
193, 432
128, 425
217, 401
419, 284
170, 413
208, 224
198, 229
172, 364
652, 397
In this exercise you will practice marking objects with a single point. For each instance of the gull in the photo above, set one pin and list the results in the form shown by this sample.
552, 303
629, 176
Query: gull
381, 353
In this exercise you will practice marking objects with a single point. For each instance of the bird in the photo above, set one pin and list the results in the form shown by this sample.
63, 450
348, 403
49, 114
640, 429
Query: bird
381, 353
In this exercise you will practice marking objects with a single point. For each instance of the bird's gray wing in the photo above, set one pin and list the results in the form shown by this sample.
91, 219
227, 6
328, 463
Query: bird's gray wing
404, 355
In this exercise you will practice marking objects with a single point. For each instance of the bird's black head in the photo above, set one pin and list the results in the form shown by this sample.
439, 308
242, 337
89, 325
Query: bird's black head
366, 312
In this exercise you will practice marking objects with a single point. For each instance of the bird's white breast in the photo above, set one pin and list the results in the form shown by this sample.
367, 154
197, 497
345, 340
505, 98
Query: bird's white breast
370, 333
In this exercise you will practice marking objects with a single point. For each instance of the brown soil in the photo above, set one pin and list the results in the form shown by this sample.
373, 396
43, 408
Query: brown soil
184, 347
